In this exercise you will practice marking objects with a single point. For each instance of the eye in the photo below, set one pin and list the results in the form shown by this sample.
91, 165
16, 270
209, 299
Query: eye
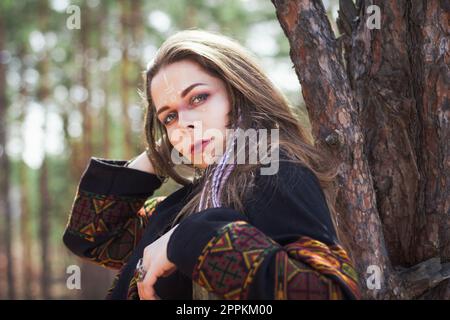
167, 120
199, 97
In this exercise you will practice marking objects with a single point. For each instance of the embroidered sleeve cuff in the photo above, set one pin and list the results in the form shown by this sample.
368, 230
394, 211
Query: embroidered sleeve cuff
194, 232
106, 176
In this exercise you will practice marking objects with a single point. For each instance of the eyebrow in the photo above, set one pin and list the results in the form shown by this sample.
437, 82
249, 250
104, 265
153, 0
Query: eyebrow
182, 95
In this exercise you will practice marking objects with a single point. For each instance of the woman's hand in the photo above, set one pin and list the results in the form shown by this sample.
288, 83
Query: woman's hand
156, 264
143, 163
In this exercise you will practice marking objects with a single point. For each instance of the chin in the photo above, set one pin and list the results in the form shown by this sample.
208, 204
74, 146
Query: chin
201, 166
206, 159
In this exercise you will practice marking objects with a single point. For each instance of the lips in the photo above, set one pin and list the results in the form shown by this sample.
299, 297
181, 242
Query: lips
199, 146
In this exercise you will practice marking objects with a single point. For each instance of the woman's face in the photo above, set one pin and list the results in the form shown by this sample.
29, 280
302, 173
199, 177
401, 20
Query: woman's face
193, 106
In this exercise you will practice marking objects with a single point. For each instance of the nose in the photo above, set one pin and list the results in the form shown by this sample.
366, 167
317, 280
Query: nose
185, 119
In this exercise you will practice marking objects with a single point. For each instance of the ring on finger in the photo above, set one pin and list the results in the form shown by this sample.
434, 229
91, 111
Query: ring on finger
141, 272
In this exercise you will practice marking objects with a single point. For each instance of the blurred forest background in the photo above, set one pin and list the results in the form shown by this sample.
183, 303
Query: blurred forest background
69, 94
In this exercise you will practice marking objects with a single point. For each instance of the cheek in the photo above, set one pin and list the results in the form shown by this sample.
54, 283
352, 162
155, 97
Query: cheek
217, 112
179, 140
175, 138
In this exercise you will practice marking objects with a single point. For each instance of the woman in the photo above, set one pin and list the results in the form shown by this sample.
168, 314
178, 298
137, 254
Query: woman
235, 230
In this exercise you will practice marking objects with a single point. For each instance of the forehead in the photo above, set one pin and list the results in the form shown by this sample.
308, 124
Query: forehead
172, 79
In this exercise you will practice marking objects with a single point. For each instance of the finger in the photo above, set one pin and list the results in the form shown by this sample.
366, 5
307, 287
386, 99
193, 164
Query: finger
142, 287
141, 292
148, 283
146, 258
138, 283
168, 272
146, 265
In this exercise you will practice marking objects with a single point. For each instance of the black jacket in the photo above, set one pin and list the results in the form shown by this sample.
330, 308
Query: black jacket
283, 246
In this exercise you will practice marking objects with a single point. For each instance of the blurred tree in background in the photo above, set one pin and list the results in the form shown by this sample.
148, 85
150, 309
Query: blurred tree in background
69, 94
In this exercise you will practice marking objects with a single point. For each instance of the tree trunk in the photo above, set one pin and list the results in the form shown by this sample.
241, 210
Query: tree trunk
43, 94
44, 230
378, 100
103, 33
25, 234
95, 280
5, 208
85, 83
25, 206
124, 77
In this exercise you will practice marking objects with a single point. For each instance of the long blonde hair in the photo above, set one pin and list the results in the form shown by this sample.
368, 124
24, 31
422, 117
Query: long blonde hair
253, 96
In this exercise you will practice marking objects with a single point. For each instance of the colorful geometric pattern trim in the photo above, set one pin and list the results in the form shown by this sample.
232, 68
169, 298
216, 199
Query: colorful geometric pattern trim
110, 225
132, 293
227, 266
332, 261
295, 280
146, 211
230, 260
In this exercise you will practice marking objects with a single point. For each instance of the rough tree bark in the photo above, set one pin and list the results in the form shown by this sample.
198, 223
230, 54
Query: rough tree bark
378, 99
